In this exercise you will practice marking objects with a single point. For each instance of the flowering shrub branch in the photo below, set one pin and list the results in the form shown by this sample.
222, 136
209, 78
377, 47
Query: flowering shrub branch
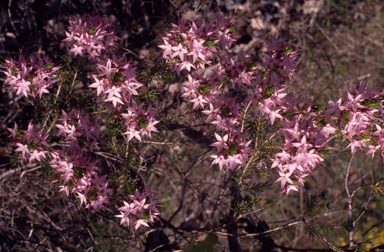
195, 50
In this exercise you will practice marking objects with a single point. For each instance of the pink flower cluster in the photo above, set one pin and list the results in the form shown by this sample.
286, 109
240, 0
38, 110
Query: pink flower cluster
303, 130
303, 139
90, 35
29, 142
139, 122
362, 125
116, 78
32, 76
205, 89
141, 211
190, 45
77, 173
74, 170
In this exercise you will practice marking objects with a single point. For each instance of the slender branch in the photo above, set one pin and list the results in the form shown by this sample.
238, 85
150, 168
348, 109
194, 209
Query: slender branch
245, 114
219, 199
20, 168
25, 238
185, 176
180, 204
366, 232
262, 233
160, 143
322, 239
350, 208
371, 195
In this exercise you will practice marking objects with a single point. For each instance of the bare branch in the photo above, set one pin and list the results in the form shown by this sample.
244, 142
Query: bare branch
322, 239
350, 208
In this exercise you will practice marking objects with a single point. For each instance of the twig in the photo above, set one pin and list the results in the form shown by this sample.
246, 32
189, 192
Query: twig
219, 199
109, 156
329, 39
180, 204
262, 233
377, 224
22, 174
198, 160
185, 176
350, 209
245, 113
150, 142
323, 240
10, 15
10, 172
173, 4
25, 238
371, 195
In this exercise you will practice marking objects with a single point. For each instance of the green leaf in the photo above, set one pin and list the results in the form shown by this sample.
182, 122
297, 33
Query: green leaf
325, 153
287, 50
232, 29
209, 43
207, 244
371, 103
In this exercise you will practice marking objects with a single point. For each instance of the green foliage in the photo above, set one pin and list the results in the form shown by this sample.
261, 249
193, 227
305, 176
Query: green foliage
371, 104
251, 66
316, 228
206, 245
129, 184
365, 136
245, 205
321, 123
204, 89
232, 29
289, 114
324, 153
345, 225
267, 91
287, 50
209, 43
345, 114
315, 203
253, 190
160, 73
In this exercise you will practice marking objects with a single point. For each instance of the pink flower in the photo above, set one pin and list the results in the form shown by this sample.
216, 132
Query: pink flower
372, 149
167, 48
303, 145
106, 70
199, 102
98, 84
354, 102
356, 143
273, 115
13, 131
221, 142
132, 132
23, 148
211, 113
179, 51
140, 222
77, 50
219, 159
37, 155
335, 108
284, 178
234, 160
270, 60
